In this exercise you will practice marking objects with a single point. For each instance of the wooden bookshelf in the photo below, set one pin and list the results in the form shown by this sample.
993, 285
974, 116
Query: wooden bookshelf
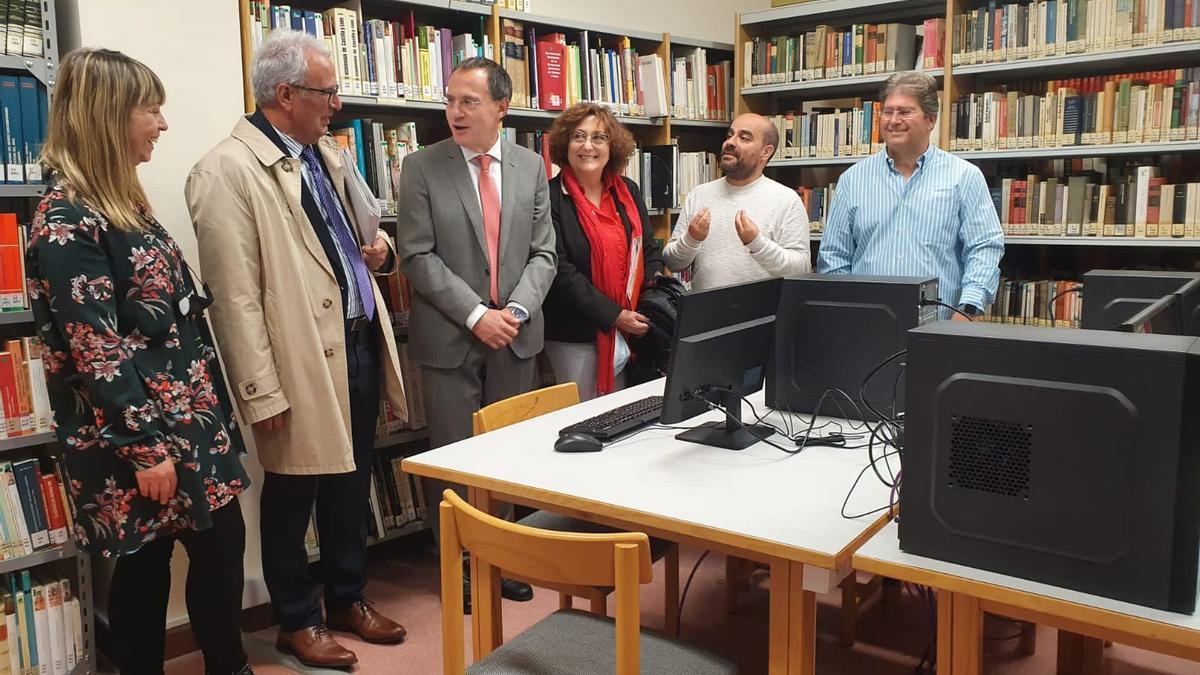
1136, 58
830, 87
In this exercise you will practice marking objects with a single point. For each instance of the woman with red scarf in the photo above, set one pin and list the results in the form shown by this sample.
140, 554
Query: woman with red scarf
606, 251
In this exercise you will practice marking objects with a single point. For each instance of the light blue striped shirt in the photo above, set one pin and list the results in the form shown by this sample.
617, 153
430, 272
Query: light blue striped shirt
353, 297
939, 222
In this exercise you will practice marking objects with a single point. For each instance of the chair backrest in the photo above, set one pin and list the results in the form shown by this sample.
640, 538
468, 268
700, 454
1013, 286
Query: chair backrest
620, 560
523, 407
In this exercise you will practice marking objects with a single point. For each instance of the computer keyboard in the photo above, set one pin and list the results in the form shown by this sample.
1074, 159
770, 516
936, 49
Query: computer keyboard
608, 425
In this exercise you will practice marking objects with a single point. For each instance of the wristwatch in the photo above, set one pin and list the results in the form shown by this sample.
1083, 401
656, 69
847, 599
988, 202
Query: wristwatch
968, 309
519, 313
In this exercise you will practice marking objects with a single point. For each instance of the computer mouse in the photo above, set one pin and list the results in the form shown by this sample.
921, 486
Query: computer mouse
577, 442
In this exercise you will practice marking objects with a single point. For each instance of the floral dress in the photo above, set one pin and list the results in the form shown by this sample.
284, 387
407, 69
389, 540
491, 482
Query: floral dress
133, 380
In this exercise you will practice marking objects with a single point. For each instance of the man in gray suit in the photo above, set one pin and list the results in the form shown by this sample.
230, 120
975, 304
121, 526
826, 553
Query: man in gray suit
477, 246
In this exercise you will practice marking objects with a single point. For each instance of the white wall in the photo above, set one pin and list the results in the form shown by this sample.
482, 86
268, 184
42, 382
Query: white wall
197, 54
699, 19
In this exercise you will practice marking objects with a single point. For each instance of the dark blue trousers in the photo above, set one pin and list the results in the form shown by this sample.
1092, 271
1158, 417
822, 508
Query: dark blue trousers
341, 508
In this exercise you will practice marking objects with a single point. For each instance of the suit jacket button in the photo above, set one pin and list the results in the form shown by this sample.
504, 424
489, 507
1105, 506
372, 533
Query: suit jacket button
486, 272
287, 165
327, 304
251, 389
328, 353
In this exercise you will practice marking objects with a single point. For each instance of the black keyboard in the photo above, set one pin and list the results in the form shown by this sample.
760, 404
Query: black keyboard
608, 425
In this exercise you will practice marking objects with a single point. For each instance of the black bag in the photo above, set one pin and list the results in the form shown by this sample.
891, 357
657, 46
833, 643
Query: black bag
659, 303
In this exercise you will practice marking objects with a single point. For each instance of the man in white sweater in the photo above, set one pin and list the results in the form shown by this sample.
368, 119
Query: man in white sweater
745, 226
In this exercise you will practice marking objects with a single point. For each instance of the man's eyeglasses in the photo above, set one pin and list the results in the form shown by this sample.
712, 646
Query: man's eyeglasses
902, 113
597, 138
467, 103
330, 92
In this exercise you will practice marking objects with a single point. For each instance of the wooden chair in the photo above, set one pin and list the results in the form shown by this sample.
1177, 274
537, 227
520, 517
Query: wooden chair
539, 402
567, 641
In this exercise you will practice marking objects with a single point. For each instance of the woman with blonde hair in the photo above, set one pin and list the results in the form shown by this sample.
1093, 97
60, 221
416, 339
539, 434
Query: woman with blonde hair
606, 251
150, 452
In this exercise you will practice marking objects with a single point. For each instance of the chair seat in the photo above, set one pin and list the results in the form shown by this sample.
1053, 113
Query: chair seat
570, 642
548, 520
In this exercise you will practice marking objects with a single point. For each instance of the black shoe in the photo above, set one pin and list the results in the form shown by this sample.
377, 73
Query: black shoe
515, 590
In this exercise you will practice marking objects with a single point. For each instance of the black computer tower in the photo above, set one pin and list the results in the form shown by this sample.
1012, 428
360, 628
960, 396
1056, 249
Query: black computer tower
833, 330
1068, 457
1113, 296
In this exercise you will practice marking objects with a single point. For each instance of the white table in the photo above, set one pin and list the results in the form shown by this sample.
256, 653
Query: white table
760, 503
964, 593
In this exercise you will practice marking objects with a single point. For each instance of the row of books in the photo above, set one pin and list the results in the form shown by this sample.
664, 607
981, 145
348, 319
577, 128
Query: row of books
396, 497
379, 151
666, 175
377, 57
998, 32
21, 28
851, 130
23, 111
24, 399
1031, 303
700, 90
34, 511
42, 632
1141, 205
827, 52
1150, 107
551, 73
817, 201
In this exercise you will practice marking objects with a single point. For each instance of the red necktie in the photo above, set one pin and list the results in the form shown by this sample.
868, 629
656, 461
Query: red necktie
490, 202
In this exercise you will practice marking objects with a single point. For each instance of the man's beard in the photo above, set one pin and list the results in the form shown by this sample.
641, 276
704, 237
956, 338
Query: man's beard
738, 170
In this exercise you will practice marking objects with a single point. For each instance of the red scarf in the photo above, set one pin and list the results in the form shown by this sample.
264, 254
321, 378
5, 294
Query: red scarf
608, 264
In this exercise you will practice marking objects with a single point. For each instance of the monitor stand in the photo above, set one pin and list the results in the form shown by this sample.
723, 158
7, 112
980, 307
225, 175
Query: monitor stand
732, 434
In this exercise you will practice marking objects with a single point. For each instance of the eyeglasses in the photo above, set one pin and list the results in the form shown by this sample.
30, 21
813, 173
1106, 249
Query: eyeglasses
468, 103
902, 113
598, 138
330, 92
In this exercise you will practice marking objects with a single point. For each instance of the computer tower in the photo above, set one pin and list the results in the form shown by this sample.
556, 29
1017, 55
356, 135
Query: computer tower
832, 330
1113, 296
1067, 457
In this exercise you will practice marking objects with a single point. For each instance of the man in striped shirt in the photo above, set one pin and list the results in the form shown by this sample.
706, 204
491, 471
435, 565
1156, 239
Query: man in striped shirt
915, 210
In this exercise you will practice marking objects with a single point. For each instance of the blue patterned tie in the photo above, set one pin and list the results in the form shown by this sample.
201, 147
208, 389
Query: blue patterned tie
341, 230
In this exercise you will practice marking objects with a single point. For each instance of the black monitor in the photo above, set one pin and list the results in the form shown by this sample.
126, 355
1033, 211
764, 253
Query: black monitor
833, 330
1067, 457
1111, 297
1160, 318
1189, 307
723, 340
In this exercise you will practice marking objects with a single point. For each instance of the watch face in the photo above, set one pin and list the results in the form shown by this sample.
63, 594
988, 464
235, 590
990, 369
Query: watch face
520, 314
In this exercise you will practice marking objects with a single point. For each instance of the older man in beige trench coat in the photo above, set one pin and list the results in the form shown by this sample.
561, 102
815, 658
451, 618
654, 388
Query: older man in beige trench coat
305, 338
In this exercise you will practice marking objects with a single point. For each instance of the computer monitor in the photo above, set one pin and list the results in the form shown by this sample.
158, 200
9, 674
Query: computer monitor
1189, 308
1160, 318
833, 330
1067, 457
723, 340
1113, 296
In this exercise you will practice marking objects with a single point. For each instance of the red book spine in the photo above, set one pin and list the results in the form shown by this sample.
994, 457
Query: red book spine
56, 515
552, 81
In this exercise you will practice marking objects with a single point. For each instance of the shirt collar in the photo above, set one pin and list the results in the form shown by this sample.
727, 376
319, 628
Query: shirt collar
293, 146
493, 152
891, 163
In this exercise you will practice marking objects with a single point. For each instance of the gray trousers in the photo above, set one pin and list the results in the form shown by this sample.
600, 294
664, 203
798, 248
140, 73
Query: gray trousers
452, 395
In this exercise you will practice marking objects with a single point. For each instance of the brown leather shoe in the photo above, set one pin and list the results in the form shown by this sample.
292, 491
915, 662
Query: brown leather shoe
362, 619
315, 647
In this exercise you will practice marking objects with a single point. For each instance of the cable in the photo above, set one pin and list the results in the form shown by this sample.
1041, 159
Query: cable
686, 586
939, 303
1077, 288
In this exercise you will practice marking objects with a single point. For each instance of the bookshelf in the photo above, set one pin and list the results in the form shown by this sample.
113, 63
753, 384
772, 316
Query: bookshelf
1023, 57
67, 560
487, 22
